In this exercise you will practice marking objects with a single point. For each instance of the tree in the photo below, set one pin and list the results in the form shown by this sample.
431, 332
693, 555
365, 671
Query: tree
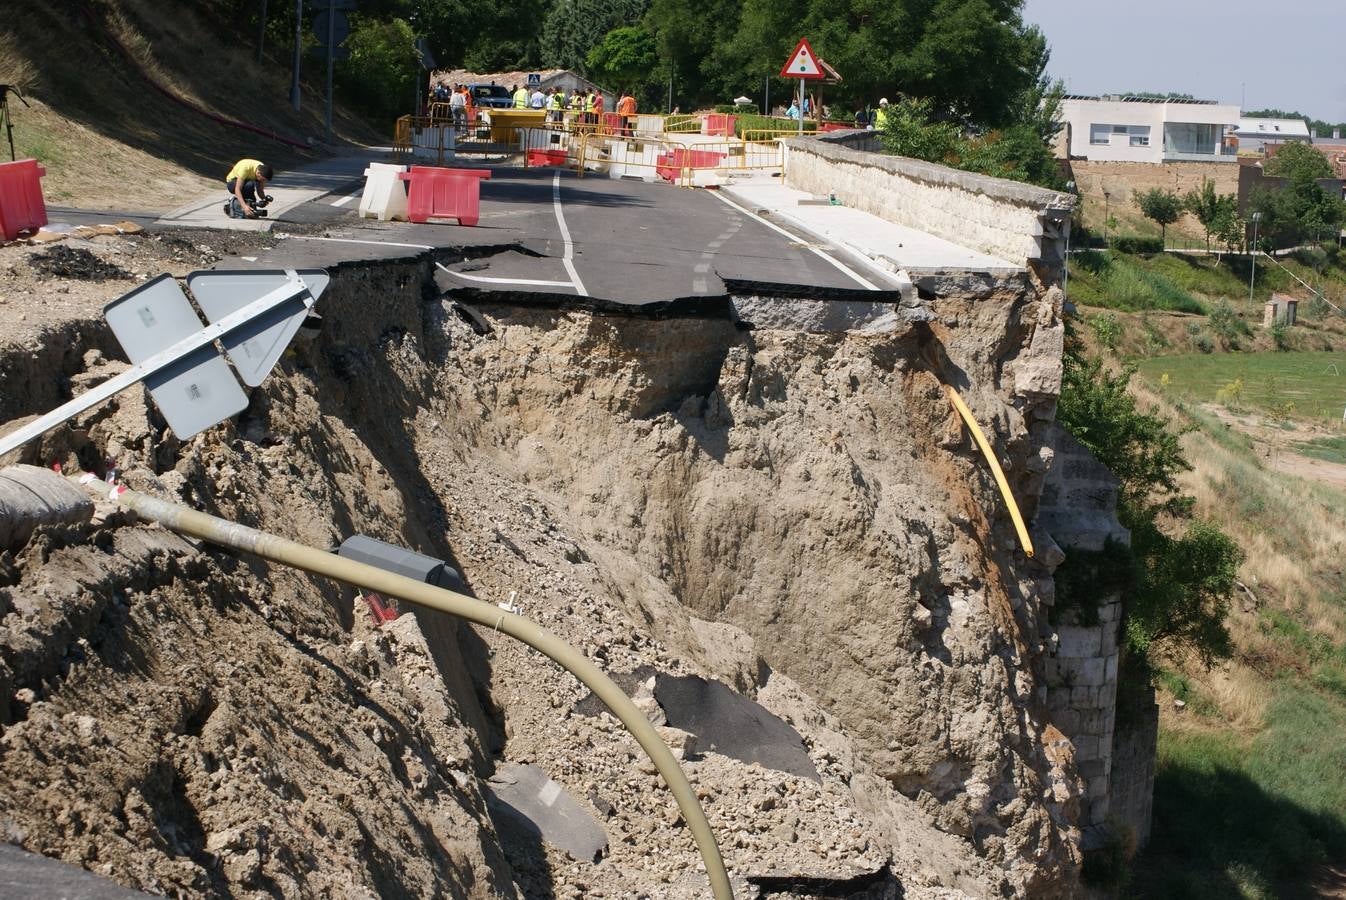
908, 131
1164, 207
1214, 211
1302, 208
1180, 571
625, 58
572, 28
379, 78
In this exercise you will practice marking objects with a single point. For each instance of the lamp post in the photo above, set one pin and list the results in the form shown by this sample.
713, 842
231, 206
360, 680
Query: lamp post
1107, 218
1065, 260
1252, 272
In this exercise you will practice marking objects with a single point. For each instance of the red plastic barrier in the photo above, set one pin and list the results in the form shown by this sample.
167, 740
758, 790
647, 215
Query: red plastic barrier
21, 204
434, 192
669, 166
720, 124
542, 156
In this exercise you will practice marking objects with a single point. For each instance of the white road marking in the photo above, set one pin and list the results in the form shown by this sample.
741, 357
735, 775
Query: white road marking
565, 236
487, 279
344, 200
868, 285
248, 258
305, 237
701, 268
699, 285
715, 245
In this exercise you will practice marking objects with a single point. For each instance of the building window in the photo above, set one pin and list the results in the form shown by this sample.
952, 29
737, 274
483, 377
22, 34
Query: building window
1100, 134
1140, 135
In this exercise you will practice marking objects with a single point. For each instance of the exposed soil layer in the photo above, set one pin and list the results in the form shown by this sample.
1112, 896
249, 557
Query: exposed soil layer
799, 516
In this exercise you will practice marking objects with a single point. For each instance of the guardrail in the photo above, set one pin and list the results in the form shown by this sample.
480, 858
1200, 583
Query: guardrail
652, 159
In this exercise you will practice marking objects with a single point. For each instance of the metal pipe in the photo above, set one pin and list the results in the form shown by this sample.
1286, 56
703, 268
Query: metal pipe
980, 438
321, 562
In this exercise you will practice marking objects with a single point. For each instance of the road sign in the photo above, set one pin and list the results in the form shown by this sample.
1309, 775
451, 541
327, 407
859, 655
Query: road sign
255, 347
803, 63
341, 29
534, 78
177, 359
194, 391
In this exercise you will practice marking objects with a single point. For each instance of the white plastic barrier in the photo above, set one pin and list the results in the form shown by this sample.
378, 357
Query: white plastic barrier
385, 196
649, 126
633, 159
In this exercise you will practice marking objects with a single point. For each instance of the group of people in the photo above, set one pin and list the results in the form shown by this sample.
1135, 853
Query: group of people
873, 119
459, 99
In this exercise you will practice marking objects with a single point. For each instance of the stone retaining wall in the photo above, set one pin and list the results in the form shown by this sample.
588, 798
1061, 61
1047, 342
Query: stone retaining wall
1015, 222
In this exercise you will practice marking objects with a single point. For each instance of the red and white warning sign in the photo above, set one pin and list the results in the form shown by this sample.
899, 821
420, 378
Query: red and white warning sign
803, 64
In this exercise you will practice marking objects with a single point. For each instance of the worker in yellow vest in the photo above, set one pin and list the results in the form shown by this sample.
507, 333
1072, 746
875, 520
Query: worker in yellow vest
556, 103
520, 98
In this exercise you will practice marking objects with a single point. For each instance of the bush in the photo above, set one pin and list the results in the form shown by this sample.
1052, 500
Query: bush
1227, 325
1107, 329
1134, 243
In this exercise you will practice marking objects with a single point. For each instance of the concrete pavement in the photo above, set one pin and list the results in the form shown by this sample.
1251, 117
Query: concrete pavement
892, 247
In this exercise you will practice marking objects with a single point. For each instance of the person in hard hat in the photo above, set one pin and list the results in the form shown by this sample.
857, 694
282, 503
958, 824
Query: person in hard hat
520, 95
881, 114
247, 182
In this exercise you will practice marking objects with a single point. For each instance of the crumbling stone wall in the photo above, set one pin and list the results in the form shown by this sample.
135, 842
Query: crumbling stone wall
1078, 509
1016, 222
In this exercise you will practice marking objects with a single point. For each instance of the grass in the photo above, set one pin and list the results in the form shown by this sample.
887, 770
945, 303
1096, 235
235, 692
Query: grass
1250, 792
1314, 382
1117, 281
1329, 448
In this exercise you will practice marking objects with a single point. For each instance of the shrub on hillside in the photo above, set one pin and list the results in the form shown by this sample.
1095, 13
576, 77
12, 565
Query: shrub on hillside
1135, 244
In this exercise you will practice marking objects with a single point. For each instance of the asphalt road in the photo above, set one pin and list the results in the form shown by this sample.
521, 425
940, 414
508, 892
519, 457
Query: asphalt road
554, 232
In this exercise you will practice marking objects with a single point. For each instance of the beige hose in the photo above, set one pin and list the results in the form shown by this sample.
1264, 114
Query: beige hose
991, 461
320, 562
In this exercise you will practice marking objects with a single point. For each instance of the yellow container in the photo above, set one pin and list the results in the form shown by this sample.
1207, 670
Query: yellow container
504, 123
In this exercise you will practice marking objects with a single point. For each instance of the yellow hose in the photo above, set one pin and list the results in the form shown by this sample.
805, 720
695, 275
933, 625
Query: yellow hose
321, 562
980, 438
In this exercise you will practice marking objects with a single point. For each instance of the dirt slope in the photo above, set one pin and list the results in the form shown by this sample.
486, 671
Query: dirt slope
797, 515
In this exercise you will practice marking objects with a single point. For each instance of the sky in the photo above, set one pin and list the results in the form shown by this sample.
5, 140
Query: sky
1286, 54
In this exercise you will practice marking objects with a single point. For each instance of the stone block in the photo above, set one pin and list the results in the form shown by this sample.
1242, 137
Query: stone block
1078, 642
1092, 672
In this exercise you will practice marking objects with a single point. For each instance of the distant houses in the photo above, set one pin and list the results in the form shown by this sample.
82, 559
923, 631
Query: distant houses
1121, 128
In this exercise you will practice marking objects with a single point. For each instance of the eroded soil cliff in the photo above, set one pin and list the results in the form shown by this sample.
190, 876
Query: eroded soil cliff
798, 515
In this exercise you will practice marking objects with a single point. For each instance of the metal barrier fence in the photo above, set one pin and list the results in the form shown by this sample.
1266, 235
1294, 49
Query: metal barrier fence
652, 159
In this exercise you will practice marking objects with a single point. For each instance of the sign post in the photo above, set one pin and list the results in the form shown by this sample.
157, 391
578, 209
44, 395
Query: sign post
802, 64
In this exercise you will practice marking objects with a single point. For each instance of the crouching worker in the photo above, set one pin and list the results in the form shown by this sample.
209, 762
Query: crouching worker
247, 182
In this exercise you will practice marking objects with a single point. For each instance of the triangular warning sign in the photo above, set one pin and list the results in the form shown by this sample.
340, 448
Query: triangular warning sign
803, 64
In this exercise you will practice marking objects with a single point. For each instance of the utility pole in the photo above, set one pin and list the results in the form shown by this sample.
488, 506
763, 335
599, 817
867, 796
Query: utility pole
1252, 256
261, 34
298, 49
331, 57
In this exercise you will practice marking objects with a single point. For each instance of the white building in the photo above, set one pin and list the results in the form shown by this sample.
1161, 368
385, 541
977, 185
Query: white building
1255, 134
1136, 129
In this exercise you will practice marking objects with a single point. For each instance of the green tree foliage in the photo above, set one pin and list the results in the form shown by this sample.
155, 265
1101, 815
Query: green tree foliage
1216, 212
1161, 206
480, 35
1182, 569
379, 79
573, 28
624, 59
1302, 209
972, 58
1019, 152
687, 34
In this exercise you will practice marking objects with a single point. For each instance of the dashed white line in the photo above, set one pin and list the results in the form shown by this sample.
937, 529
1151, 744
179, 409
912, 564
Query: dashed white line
701, 268
700, 286
344, 200
859, 279
565, 236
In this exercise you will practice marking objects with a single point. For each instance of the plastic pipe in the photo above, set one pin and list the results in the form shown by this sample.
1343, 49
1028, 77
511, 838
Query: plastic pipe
991, 461
320, 562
